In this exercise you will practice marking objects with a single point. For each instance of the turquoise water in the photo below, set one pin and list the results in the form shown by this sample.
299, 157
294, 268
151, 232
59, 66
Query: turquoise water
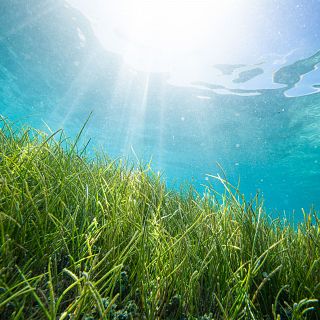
259, 121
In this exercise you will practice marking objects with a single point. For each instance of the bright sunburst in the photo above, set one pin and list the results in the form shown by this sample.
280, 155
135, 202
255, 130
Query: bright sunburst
172, 24
164, 30
156, 34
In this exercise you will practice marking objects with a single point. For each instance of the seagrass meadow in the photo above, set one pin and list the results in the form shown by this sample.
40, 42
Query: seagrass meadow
94, 238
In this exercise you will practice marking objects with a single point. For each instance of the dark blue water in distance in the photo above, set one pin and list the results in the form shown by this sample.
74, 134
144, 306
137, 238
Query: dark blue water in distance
259, 120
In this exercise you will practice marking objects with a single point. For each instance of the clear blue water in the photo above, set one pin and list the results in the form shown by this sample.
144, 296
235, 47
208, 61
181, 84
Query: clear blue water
260, 121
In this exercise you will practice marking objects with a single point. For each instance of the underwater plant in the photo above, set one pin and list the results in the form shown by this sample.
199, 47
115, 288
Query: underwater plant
96, 238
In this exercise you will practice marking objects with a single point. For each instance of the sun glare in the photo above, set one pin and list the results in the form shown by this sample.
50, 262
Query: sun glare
156, 34
168, 22
163, 30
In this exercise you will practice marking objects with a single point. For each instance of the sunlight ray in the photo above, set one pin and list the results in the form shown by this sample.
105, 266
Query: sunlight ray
136, 117
71, 99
